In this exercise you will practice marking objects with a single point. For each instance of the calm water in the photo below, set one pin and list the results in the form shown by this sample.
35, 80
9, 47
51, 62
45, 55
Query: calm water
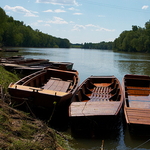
100, 62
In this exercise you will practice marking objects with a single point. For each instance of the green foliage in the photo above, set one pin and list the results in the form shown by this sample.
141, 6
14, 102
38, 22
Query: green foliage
6, 78
136, 40
16, 33
2, 21
102, 45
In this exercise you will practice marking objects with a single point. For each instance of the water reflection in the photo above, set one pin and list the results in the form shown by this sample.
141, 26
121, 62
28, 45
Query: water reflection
133, 63
99, 62
136, 141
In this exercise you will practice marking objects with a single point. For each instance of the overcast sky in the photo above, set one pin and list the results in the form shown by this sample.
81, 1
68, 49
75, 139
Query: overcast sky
80, 20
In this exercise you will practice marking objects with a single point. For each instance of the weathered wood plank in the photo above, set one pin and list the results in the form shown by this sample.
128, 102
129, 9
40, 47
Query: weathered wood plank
65, 86
139, 104
138, 92
48, 84
139, 122
138, 116
54, 85
93, 108
129, 109
57, 85
137, 88
138, 98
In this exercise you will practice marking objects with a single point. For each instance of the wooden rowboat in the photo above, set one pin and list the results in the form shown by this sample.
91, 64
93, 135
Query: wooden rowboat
136, 90
28, 66
45, 88
96, 104
9, 50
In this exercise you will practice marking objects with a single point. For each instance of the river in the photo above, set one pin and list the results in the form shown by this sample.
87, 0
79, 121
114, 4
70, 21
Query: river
99, 62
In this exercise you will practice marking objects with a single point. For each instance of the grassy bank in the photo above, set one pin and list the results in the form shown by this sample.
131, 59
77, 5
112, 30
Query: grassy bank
19, 131
6, 78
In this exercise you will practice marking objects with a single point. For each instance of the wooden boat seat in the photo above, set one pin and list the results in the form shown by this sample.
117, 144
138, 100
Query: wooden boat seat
138, 116
94, 108
138, 97
137, 88
57, 84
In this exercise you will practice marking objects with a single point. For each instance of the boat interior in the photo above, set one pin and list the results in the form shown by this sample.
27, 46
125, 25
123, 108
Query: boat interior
98, 89
51, 79
137, 91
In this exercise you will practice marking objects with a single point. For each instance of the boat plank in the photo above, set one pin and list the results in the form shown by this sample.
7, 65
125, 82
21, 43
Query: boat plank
137, 88
65, 86
139, 98
129, 109
48, 84
62, 86
93, 108
138, 116
54, 85
138, 92
139, 104
139, 122
57, 85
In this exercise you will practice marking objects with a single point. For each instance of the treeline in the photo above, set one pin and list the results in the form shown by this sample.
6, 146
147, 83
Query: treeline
136, 40
17, 34
102, 45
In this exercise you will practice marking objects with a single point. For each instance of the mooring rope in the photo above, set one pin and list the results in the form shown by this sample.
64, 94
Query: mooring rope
24, 101
141, 144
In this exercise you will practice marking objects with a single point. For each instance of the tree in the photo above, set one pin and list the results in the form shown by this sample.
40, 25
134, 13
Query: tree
16, 33
134, 28
2, 21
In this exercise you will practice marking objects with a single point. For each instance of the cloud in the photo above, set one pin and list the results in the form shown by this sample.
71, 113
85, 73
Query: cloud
90, 25
57, 20
77, 14
56, 11
20, 9
49, 10
145, 7
71, 8
58, 2
104, 29
59, 10
78, 27
98, 28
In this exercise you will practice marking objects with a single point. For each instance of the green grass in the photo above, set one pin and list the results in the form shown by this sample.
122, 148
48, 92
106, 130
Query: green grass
6, 78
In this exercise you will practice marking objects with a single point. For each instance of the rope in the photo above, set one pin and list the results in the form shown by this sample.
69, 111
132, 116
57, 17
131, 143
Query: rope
141, 144
30, 110
19, 104
24, 101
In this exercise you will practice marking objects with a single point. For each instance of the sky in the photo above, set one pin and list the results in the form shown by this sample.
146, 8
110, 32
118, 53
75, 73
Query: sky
80, 21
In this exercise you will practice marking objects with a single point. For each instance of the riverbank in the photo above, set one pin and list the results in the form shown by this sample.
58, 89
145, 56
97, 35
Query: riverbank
20, 131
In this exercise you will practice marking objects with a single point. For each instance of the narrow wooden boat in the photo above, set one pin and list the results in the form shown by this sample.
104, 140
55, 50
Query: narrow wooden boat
136, 90
11, 59
28, 66
10, 50
45, 88
96, 104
